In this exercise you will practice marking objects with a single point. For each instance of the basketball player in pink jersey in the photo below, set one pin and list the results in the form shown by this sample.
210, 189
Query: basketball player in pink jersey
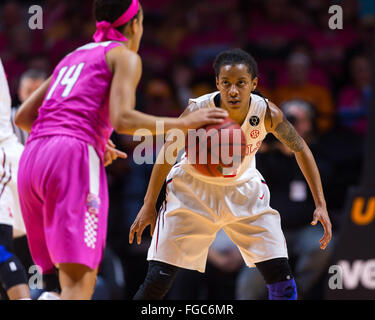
198, 206
62, 179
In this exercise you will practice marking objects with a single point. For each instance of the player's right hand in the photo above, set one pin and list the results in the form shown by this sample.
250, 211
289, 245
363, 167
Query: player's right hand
204, 116
111, 153
146, 216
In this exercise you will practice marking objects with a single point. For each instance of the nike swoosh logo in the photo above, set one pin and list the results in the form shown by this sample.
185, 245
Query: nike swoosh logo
261, 198
164, 274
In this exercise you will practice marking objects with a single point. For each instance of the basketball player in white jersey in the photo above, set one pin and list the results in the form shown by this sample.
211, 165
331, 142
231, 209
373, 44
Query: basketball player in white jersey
198, 206
12, 272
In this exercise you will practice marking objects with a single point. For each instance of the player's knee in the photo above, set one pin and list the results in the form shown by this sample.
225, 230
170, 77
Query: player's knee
74, 272
279, 279
74, 276
12, 272
159, 279
77, 281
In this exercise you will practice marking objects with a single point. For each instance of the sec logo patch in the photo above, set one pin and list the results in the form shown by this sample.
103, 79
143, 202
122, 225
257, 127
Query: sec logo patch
254, 134
254, 121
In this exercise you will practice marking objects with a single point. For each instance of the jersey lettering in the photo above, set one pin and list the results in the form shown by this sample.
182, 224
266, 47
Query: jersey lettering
251, 148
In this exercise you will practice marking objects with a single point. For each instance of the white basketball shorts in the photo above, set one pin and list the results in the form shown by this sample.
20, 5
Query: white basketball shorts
194, 211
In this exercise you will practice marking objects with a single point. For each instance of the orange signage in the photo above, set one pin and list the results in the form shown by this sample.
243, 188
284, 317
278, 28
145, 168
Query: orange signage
360, 214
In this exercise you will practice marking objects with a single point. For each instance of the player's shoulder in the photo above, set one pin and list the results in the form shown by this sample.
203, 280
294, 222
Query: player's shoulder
274, 110
204, 101
90, 51
204, 98
121, 52
257, 96
263, 101
258, 99
122, 57
273, 117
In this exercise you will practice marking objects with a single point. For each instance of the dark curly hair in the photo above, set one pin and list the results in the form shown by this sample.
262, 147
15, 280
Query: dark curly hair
111, 10
233, 57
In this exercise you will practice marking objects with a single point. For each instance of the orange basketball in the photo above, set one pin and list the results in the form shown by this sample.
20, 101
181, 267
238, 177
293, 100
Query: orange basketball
216, 150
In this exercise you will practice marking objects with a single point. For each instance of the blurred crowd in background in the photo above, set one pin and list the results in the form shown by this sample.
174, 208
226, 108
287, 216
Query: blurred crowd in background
321, 78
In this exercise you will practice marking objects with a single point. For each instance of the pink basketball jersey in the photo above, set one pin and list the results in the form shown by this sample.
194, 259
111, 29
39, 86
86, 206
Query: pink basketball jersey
77, 100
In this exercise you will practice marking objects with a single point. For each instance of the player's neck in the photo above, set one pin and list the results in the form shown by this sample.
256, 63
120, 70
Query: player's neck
130, 45
237, 115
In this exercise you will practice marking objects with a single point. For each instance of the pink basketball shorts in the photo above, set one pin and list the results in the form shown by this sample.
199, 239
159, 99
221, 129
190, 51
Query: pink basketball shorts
63, 193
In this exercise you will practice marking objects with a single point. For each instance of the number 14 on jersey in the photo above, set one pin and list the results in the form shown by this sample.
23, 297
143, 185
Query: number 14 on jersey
67, 77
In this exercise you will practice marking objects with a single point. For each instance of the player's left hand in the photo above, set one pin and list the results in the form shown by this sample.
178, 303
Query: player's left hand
111, 153
321, 215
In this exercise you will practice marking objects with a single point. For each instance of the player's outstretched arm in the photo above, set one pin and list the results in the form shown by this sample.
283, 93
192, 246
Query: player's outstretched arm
278, 125
28, 111
147, 215
127, 68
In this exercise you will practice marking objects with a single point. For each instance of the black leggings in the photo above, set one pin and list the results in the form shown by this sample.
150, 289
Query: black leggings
275, 270
160, 277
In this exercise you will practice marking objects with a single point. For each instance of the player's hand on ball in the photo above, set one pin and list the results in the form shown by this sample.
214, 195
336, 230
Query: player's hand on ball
321, 214
111, 153
204, 117
146, 216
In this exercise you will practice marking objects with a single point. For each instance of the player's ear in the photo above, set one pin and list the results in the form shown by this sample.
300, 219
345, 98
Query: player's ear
255, 83
134, 25
217, 83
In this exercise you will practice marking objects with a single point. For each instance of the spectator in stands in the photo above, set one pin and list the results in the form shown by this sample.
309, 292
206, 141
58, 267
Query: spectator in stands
330, 45
160, 99
29, 82
355, 100
182, 77
207, 35
299, 87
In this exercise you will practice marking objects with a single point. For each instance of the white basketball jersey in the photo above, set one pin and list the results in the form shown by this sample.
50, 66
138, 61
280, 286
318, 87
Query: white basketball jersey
6, 130
254, 130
